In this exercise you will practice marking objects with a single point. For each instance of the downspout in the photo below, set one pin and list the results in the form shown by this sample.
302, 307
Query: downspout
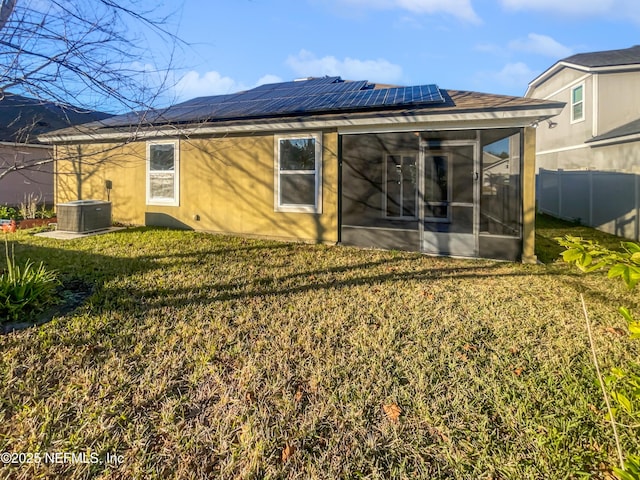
529, 196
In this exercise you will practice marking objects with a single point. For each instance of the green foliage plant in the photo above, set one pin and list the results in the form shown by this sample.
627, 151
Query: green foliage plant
24, 288
44, 212
622, 384
8, 213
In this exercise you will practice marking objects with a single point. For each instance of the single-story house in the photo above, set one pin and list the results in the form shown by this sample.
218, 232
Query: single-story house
22, 120
321, 160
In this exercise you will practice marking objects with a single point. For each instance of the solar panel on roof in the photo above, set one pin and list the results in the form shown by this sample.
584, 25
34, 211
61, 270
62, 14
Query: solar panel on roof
317, 95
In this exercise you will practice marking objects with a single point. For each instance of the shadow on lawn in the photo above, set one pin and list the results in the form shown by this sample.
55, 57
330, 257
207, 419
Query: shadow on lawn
548, 228
97, 269
328, 279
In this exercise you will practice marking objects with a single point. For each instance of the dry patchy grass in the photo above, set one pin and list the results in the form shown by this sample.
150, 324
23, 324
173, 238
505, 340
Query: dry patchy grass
202, 356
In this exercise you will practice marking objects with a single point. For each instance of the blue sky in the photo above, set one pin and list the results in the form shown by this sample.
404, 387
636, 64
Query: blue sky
494, 46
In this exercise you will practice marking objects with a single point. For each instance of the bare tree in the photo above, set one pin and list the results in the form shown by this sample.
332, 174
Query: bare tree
92, 54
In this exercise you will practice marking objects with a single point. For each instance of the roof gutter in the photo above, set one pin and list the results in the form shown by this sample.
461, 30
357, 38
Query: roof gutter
25, 145
450, 120
613, 140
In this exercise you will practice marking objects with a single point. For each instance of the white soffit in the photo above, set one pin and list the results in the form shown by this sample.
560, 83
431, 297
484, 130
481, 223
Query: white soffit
439, 121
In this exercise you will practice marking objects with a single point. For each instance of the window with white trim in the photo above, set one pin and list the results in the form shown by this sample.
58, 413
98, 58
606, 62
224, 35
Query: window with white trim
298, 174
577, 103
163, 167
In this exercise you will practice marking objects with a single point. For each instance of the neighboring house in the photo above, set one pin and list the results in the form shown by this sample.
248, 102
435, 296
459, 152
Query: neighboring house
22, 119
321, 160
589, 156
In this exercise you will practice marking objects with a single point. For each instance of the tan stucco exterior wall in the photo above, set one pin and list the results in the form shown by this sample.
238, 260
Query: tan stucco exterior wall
81, 172
618, 99
529, 197
226, 185
556, 82
565, 133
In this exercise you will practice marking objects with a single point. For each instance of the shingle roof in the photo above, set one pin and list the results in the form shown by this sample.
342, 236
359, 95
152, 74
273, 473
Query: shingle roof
463, 100
631, 128
202, 111
608, 58
22, 119
313, 95
592, 61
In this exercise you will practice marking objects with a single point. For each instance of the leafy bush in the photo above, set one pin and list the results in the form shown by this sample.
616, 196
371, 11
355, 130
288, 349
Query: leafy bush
7, 212
623, 385
24, 212
44, 212
24, 289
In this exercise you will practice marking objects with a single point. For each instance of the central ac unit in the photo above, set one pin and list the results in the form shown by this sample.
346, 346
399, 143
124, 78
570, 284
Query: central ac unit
83, 216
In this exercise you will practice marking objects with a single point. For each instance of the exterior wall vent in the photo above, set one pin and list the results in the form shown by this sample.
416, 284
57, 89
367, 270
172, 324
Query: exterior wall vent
83, 216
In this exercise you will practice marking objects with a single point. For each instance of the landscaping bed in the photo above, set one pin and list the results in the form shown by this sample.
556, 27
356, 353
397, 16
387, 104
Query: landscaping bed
35, 222
68, 297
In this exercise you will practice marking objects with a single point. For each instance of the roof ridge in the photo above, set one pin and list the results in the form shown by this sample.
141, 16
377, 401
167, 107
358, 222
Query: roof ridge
319, 95
606, 58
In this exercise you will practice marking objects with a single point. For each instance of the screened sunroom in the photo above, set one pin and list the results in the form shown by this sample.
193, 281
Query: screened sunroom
456, 192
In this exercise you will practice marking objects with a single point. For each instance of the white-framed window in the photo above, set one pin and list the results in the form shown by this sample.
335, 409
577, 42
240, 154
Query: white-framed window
163, 172
298, 176
577, 103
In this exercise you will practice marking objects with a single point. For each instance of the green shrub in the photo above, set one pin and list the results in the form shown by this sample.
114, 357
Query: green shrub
24, 289
622, 384
9, 213
44, 212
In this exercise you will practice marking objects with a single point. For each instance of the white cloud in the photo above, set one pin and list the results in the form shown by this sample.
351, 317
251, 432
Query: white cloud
192, 84
268, 79
541, 45
461, 9
490, 48
406, 22
306, 64
512, 75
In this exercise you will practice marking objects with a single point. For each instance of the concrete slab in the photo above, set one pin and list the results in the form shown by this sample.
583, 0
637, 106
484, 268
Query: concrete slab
60, 235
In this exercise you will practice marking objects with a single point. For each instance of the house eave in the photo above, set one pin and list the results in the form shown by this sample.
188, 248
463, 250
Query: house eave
582, 68
25, 145
520, 117
614, 140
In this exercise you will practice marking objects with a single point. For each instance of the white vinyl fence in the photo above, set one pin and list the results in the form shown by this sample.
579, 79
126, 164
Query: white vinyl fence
608, 201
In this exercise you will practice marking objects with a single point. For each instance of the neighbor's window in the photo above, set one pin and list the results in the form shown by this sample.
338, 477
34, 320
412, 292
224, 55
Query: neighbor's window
298, 182
162, 173
577, 103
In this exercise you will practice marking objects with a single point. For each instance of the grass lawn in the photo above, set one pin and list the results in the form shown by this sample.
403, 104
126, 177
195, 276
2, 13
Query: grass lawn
202, 356
548, 228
